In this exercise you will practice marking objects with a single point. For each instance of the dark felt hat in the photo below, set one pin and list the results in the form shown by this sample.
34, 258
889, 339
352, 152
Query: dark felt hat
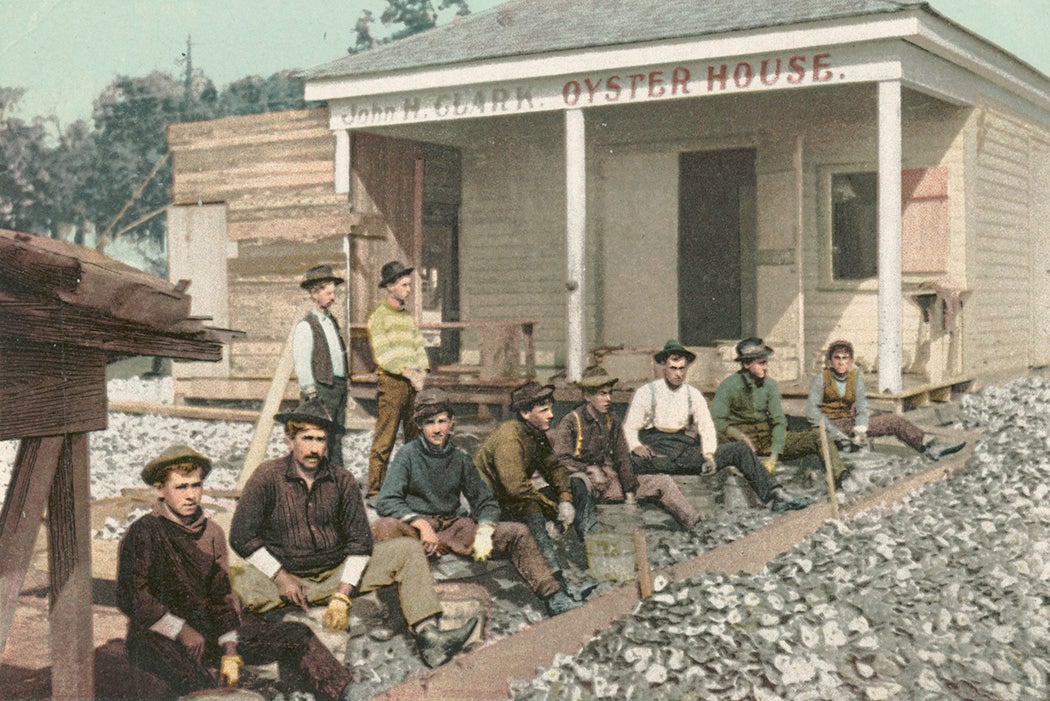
752, 349
312, 411
673, 347
319, 274
595, 377
392, 272
530, 394
155, 470
429, 402
840, 344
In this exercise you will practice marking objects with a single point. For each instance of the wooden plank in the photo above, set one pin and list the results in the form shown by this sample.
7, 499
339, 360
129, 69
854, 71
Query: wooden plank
27, 493
182, 411
69, 559
47, 390
34, 321
264, 424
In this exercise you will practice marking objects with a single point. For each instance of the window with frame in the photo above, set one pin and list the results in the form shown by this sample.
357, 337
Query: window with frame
854, 226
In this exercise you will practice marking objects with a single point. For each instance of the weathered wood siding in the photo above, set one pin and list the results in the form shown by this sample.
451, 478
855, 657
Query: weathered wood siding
1003, 239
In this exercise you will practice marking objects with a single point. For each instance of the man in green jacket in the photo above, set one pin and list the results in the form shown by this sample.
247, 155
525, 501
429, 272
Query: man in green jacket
747, 408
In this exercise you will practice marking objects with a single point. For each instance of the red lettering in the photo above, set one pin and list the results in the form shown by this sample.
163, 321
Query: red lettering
635, 79
797, 65
591, 87
656, 82
721, 75
612, 83
742, 74
763, 74
680, 79
818, 63
571, 92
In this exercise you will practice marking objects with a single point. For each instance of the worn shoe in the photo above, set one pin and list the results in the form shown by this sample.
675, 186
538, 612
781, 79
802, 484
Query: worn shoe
559, 602
437, 646
935, 450
575, 593
781, 501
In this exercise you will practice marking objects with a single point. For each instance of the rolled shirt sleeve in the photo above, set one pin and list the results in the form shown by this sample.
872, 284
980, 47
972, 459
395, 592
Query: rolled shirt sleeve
302, 355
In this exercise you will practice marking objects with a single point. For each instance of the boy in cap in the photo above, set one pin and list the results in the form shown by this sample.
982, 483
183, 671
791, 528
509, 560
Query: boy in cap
838, 394
669, 430
590, 443
420, 497
319, 353
401, 357
183, 619
748, 409
517, 449
301, 525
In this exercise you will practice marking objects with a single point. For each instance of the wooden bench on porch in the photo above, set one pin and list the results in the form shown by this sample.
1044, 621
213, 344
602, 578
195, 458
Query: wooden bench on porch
506, 357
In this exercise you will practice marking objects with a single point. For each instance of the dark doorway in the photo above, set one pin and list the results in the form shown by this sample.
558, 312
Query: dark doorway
716, 243
439, 267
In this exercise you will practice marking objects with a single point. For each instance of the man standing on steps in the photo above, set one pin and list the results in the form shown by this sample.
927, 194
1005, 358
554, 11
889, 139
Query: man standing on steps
402, 364
320, 354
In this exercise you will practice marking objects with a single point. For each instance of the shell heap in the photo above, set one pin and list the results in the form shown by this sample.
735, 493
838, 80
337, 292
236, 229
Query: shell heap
943, 597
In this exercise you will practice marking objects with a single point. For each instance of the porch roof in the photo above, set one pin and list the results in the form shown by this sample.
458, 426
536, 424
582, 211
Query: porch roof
525, 27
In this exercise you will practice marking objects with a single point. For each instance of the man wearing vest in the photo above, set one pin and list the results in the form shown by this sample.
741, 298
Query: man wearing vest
669, 429
320, 354
838, 394
589, 442
747, 408
401, 358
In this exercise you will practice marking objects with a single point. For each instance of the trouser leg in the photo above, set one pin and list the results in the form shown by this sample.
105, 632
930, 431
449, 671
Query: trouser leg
799, 443
260, 594
394, 395
586, 520
664, 489
402, 561
893, 425
537, 525
334, 399
303, 660
676, 454
740, 456
168, 660
515, 542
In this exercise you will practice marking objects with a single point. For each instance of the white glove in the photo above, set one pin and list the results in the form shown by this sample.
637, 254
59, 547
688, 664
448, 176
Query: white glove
860, 436
483, 542
552, 530
566, 514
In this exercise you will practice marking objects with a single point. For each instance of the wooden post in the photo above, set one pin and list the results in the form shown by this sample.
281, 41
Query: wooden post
641, 562
827, 468
264, 425
24, 504
69, 562
889, 208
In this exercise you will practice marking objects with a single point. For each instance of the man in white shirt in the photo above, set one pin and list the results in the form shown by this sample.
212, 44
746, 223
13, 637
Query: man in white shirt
668, 428
320, 354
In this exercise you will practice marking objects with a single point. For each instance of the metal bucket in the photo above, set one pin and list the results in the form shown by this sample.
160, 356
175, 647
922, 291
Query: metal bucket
610, 555
737, 493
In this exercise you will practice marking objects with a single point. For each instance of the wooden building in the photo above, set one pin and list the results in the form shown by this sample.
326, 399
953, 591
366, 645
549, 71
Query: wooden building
639, 171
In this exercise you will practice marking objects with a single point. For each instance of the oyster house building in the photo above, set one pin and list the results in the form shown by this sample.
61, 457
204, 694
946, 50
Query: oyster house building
627, 172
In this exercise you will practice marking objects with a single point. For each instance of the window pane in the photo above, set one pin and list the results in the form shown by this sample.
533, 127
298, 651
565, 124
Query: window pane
854, 226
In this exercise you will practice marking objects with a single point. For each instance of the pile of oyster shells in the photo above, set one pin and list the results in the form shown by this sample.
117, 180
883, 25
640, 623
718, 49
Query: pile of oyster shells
943, 596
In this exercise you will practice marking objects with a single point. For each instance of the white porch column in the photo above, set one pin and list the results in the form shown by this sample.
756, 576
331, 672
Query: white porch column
342, 161
575, 241
890, 298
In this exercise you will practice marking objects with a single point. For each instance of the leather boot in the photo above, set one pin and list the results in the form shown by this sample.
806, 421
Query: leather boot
559, 602
935, 450
437, 646
781, 501
576, 593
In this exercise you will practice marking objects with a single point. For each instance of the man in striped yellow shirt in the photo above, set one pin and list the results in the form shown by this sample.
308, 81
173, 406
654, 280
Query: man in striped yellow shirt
402, 364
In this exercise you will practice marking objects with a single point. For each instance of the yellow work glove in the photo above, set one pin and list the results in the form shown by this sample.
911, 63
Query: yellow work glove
337, 615
483, 542
230, 669
770, 464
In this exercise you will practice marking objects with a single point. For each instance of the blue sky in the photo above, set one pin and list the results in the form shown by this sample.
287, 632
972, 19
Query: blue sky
65, 51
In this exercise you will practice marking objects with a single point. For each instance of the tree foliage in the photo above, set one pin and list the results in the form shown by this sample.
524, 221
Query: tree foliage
414, 16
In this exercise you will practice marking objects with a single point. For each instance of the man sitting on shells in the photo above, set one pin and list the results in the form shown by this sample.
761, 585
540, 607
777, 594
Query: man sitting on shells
668, 429
516, 450
183, 619
748, 409
301, 525
838, 394
420, 498
589, 441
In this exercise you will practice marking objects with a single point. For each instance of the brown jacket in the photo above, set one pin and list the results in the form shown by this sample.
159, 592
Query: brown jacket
585, 438
508, 458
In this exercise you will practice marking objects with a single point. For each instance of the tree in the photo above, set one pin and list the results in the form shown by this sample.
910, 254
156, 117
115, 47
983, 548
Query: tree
251, 95
415, 16
24, 174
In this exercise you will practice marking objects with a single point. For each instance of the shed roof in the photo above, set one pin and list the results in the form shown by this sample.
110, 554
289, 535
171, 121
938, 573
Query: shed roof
523, 27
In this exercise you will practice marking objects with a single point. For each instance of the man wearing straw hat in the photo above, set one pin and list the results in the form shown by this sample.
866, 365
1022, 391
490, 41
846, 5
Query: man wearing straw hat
669, 429
748, 409
401, 357
183, 619
589, 441
421, 498
301, 525
320, 355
